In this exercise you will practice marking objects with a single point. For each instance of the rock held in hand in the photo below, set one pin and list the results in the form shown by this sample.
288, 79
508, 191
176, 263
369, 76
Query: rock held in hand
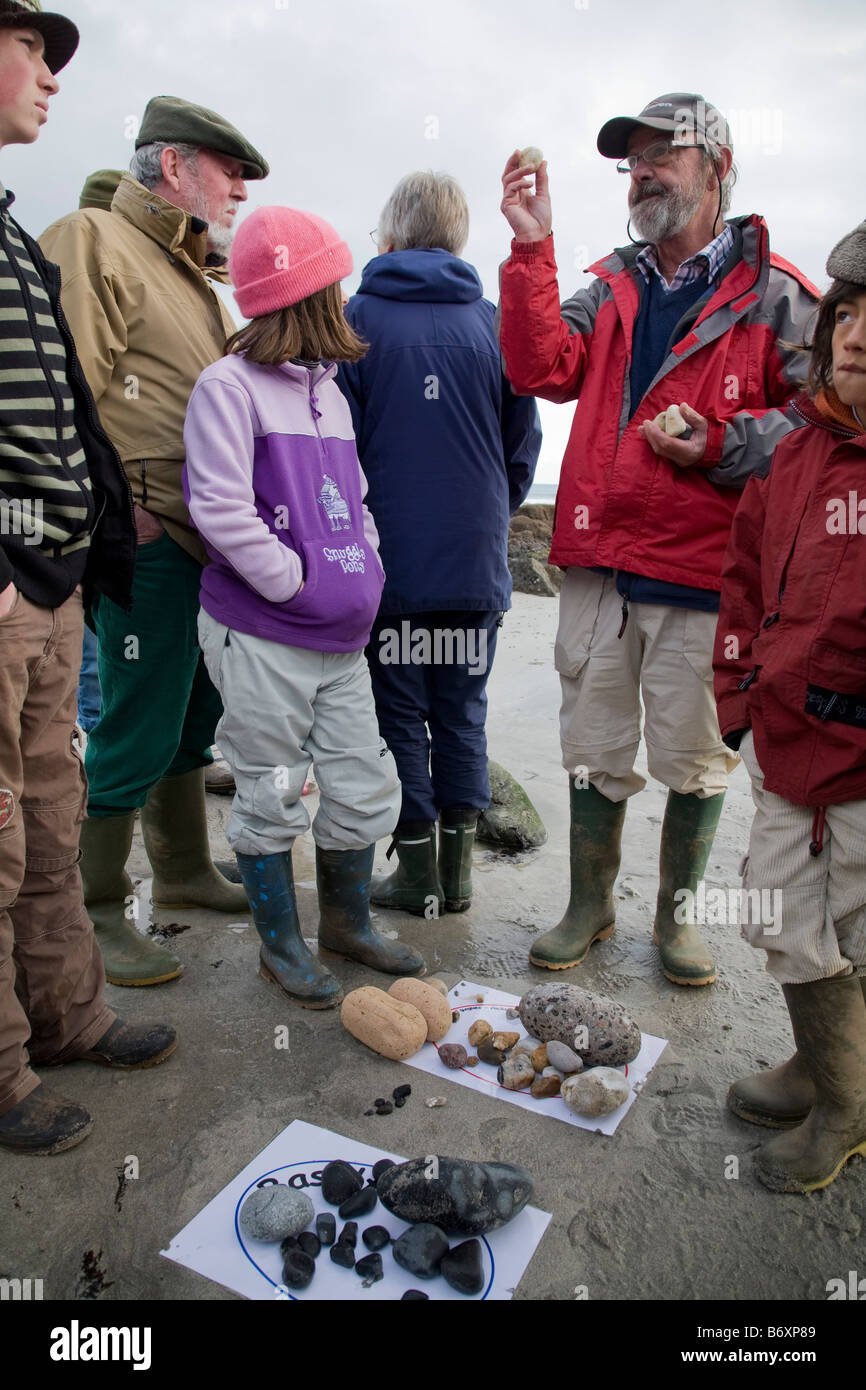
458, 1196
462, 1268
274, 1212
420, 1250
598, 1029
339, 1181
599, 1091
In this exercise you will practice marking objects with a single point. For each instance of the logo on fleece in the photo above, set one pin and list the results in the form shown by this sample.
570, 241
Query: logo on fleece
335, 505
7, 806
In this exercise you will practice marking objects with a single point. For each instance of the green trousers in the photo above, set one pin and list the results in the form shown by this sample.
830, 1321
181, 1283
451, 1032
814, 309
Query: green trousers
159, 708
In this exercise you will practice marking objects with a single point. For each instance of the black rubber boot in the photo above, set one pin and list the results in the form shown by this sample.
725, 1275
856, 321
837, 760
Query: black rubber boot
456, 840
414, 886
345, 930
286, 959
127, 1046
40, 1125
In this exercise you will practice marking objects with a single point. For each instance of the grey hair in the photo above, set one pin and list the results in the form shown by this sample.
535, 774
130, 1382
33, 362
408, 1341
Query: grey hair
146, 163
425, 210
714, 152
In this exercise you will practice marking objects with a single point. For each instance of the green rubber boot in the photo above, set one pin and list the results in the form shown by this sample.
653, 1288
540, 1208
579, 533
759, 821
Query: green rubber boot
829, 1022
456, 839
414, 886
174, 826
778, 1098
129, 958
687, 837
345, 929
594, 843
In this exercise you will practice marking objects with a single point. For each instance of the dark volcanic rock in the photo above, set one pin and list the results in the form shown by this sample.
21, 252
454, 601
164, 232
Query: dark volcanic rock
463, 1197
343, 1255
310, 1244
462, 1267
360, 1203
412, 1295
376, 1237
382, 1167
420, 1250
326, 1227
339, 1181
370, 1268
298, 1269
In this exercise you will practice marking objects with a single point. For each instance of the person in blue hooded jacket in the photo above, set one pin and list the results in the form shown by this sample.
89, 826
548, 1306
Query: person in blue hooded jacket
449, 453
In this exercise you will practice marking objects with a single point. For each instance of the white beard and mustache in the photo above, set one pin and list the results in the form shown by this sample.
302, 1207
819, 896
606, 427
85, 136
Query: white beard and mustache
219, 238
668, 214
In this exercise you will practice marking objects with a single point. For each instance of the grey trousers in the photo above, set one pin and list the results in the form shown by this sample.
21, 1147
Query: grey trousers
285, 708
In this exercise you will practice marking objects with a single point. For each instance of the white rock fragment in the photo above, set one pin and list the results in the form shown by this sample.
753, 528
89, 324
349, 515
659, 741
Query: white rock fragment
599, 1091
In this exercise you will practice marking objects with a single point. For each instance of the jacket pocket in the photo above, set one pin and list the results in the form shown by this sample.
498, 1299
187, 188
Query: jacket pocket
699, 633
301, 600
579, 608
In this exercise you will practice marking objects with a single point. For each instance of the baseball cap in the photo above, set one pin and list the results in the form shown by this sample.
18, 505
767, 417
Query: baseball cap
685, 114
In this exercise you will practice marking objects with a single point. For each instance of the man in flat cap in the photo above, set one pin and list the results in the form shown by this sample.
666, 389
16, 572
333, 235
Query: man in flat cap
698, 316
147, 320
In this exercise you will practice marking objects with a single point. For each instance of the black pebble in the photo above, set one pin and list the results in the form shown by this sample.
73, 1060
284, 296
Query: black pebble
339, 1181
455, 1017
290, 1243
343, 1255
412, 1294
385, 1108
380, 1101
399, 1102
382, 1167
420, 1249
298, 1269
326, 1227
462, 1267
360, 1203
370, 1267
349, 1234
310, 1244
401, 1092
369, 1112
375, 1237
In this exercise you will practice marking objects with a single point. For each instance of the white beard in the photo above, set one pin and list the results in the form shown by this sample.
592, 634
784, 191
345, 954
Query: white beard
219, 239
657, 219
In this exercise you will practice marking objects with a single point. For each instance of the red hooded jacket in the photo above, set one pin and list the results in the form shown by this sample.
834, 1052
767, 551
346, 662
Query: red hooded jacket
733, 359
790, 651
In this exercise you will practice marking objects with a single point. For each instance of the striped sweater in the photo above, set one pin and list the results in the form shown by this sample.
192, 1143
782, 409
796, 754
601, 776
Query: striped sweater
46, 501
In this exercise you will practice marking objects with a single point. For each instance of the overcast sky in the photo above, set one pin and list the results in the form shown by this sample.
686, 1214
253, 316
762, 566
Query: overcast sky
343, 97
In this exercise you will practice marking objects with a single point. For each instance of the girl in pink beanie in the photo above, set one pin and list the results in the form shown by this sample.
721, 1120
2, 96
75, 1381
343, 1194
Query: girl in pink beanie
274, 486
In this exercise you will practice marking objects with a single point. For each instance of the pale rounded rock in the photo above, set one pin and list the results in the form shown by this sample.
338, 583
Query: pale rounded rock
384, 1024
271, 1213
531, 155
598, 1029
479, 1030
596, 1092
429, 1002
563, 1058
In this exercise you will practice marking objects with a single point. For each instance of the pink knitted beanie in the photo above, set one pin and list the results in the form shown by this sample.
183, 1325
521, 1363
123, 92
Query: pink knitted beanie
282, 255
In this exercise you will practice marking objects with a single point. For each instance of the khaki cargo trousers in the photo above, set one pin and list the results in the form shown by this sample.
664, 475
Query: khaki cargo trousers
51, 974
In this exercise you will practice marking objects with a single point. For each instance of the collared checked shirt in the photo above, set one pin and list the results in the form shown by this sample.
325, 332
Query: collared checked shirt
708, 261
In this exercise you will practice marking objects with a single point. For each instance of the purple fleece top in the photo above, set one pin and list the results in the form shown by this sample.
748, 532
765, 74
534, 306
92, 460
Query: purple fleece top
275, 490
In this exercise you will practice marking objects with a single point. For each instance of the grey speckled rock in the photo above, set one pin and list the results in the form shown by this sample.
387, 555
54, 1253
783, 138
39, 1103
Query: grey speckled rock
510, 822
461, 1197
596, 1092
599, 1030
272, 1213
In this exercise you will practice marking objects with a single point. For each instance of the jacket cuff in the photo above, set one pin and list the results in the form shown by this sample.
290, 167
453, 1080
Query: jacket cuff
715, 444
733, 711
532, 250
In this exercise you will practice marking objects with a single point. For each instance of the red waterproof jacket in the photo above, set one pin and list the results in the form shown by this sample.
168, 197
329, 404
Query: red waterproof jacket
732, 359
790, 651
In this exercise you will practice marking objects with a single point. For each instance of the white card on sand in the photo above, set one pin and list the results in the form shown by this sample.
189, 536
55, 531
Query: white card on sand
214, 1245
483, 1077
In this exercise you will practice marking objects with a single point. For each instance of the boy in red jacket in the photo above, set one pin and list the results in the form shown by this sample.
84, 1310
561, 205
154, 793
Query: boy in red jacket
790, 664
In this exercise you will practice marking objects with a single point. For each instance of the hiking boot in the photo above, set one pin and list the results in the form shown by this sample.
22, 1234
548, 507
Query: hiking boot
687, 838
414, 886
456, 839
39, 1125
174, 827
594, 846
829, 1022
345, 929
285, 959
129, 957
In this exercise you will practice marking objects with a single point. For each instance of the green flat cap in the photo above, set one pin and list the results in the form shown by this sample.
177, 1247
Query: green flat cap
99, 189
172, 118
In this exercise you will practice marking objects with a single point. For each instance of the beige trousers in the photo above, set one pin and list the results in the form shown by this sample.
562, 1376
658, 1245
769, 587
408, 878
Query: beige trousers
664, 657
808, 912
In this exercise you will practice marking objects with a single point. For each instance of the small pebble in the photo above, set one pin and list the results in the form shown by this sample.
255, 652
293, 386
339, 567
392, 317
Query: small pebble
401, 1092
376, 1237
349, 1234
370, 1269
516, 1073
543, 1087
453, 1055
290, 1243
399, 1102
472, 1061
411, 1295
462, 1268
432, 1101
310, 1244
512, 1013
420, 1249
359, 1204
455, 1016
343, 1255
380, 1100
369, 1112
382, 1167
386, 1108
298, 1269
339, 1181
488, 1053
479, 998
505, 1041
539, 1057
479, 1030
326, 1227
561, 1056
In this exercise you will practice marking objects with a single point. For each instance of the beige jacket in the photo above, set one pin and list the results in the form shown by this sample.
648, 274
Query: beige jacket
146, 322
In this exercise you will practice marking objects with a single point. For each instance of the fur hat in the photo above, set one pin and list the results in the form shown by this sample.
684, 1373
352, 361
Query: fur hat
847, 260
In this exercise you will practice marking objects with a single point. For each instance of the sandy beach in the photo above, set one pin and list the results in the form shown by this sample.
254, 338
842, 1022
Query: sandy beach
649, 1213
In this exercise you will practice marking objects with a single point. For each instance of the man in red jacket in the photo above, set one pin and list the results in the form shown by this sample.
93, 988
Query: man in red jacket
700, 316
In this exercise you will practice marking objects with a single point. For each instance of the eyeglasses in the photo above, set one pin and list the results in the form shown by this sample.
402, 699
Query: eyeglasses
659, 152
374, 236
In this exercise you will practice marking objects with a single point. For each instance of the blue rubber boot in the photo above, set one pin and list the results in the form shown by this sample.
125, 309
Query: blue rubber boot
343, 880
285, 958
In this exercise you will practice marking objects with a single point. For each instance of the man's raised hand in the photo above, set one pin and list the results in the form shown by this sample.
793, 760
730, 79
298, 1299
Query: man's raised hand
527, 212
